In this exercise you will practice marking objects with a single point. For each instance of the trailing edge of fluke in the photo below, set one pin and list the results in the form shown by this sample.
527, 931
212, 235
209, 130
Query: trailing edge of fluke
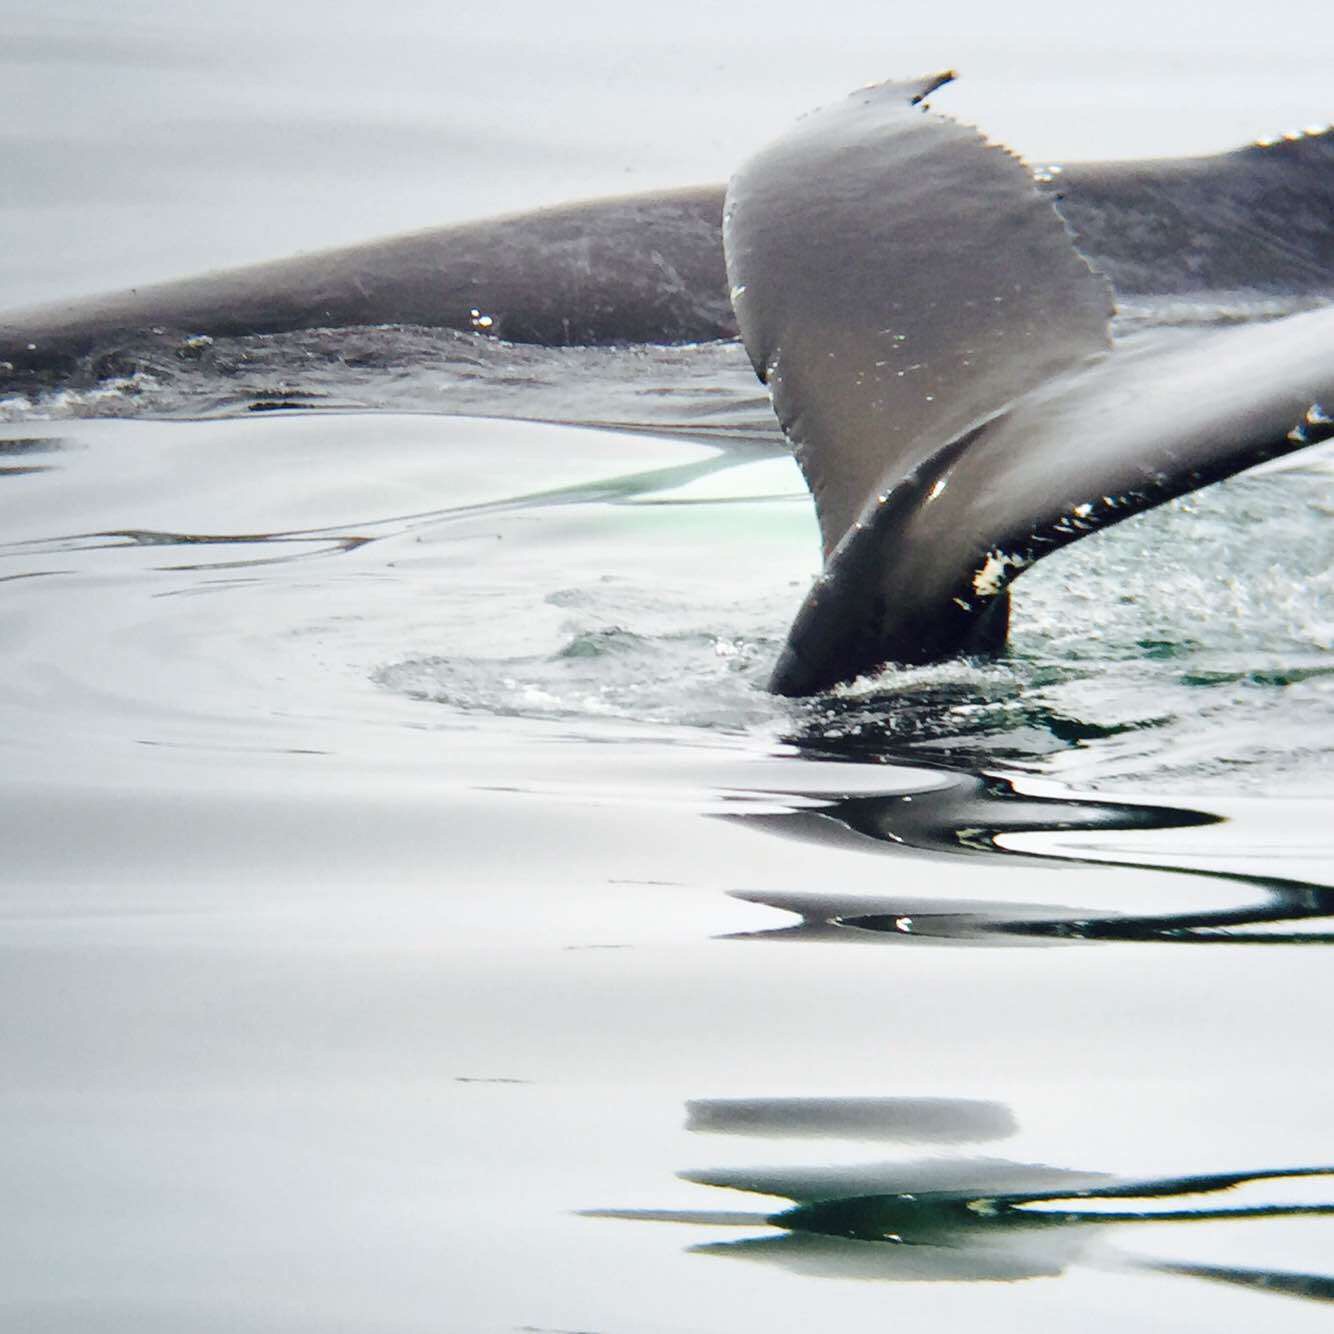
939, 355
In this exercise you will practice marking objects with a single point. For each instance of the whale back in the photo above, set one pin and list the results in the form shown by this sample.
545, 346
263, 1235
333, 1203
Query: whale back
643, 268
1252, 222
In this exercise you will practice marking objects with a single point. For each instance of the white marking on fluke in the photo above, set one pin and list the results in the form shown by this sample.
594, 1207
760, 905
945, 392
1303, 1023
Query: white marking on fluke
996, 571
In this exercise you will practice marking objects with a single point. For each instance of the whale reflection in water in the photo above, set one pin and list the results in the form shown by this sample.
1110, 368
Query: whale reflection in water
969, 1218
973, 815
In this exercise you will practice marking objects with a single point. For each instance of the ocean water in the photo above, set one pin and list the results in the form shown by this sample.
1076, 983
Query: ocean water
416, 915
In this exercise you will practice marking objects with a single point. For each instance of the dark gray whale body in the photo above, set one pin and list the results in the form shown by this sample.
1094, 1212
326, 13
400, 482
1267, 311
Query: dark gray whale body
636, 270
935, 335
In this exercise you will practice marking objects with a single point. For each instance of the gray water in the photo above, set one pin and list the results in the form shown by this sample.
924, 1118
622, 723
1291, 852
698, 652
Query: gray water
416, 914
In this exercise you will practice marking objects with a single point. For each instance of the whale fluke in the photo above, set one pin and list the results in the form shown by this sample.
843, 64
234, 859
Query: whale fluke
862, 249
938, 352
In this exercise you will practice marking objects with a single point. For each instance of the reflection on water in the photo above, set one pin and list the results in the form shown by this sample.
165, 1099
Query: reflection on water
326, 541
1314, 1287
924, 1120
969, 1219
970, 815
24, 447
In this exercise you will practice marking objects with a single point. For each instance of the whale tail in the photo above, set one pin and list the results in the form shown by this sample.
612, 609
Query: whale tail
939, 354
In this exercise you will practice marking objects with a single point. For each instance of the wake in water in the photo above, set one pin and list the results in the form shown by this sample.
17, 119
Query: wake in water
706, 390
1105, 680
1187, 646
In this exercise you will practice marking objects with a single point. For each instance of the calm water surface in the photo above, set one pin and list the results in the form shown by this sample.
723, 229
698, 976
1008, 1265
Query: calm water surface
415, 914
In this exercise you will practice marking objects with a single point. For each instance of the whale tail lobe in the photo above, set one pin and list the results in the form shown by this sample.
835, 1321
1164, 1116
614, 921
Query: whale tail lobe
939, 354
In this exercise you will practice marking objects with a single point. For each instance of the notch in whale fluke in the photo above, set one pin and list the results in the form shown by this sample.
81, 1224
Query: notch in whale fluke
939, 354
914, 91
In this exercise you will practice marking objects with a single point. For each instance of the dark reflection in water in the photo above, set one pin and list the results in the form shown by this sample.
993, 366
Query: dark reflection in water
967, 1219
986, 720
969, 816
1314, 1287
32, 444
301, 544
24, 447
934, 1120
